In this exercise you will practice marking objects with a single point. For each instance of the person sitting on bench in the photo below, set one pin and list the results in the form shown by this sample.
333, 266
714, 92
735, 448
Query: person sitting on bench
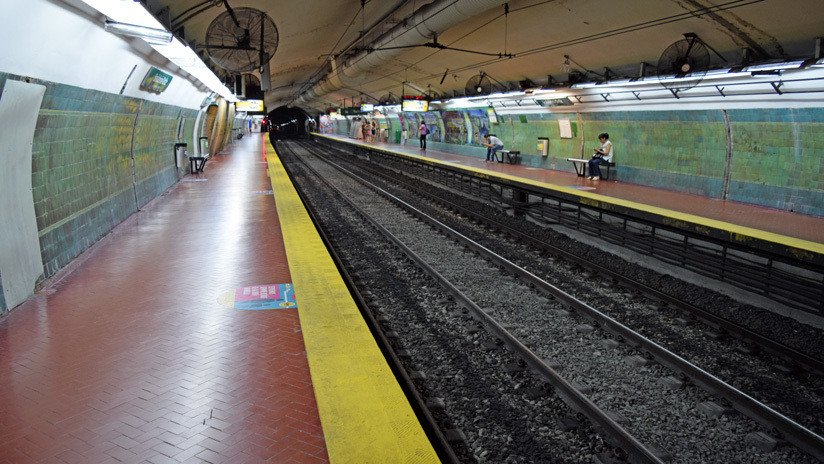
602, 157
492, 144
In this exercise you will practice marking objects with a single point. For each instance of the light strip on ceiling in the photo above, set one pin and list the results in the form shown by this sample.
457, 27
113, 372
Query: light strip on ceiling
133, 13
150, 35
652, 80
775, 66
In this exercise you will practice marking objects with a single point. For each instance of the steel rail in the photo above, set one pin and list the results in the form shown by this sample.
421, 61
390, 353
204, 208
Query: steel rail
793, 432
634, 448
804, 360
433, 431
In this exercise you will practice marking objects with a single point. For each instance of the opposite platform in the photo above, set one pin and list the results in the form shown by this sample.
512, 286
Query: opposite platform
735, 221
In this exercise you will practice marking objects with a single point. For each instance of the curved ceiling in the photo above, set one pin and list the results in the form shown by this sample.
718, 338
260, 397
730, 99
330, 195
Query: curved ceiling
594, 34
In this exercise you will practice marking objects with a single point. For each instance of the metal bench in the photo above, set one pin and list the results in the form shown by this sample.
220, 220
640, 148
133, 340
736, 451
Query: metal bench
196, 164
581, 164
513, 156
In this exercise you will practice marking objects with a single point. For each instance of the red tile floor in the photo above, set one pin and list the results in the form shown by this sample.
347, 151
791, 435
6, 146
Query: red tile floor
131, 358
768, 219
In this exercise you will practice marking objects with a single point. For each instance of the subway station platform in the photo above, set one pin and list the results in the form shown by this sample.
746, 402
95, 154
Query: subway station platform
738, 219
179, 338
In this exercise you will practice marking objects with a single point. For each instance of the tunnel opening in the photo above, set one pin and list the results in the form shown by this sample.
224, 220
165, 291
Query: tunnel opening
287, 123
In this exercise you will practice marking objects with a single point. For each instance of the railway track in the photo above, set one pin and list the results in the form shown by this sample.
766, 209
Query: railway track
768, 370
616, 385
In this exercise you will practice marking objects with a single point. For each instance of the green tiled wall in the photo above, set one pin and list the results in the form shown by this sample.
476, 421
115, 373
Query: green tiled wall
777, 156
83, 183
780, 154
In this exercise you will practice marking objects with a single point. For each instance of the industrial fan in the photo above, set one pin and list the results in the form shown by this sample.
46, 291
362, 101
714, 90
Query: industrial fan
478, 84
388, 99
242, 40
688, 57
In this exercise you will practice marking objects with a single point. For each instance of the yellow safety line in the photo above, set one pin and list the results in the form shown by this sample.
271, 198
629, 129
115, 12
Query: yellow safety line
364, 413
736, 232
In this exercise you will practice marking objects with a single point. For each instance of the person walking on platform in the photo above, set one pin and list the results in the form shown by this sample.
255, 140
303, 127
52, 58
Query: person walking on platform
602, 157
422, 131
493, 145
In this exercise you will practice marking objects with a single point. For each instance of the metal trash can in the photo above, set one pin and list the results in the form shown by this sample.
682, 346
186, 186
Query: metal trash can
181, 153
543, 146
203, 146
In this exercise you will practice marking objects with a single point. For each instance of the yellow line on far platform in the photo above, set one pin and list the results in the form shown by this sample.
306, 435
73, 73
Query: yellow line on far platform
735, 232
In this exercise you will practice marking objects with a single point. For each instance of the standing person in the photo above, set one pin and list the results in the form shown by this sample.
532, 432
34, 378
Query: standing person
422, 131
365, 130
602, 156
374, 126
404, 135
493, 145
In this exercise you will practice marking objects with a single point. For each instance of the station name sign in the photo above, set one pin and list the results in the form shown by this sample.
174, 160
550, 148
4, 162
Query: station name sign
249, 106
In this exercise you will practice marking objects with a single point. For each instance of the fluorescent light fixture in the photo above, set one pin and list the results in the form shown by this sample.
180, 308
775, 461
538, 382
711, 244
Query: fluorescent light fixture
542, 92
716, 74
149, 34
494, 96
134, 14
774, 66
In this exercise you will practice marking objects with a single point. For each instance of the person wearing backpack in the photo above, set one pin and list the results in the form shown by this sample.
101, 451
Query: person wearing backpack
422, 131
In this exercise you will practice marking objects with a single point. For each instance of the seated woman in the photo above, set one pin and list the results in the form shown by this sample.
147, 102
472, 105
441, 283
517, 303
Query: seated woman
602, 156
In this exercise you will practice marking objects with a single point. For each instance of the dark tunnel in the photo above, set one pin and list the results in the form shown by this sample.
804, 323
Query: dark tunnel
287, 123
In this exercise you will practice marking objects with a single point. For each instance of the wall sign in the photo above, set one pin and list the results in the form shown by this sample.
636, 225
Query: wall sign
156, 81
565, 127
249, 106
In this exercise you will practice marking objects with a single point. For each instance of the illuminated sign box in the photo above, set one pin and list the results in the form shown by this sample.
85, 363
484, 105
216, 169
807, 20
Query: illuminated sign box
367, 107
156, 81
249, 106
493, 117
415, 105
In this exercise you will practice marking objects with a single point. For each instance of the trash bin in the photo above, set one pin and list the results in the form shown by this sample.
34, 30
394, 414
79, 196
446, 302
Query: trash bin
203, 146
180, 154
397, 136
543, 146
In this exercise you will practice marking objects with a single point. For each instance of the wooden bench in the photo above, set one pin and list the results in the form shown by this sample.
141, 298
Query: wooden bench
513, 156
581, 164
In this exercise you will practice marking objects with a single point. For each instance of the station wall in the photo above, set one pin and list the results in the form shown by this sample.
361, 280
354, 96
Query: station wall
767, 156
98, 157
102, 147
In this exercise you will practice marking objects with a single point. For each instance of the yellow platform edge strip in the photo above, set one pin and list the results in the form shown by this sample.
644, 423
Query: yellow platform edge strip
736, 232
365, 415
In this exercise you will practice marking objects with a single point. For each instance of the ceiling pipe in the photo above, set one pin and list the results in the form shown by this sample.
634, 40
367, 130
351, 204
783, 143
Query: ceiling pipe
427, 22
398, 5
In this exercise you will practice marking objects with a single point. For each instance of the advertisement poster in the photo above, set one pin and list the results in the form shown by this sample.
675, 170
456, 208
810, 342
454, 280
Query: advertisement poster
156, 81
